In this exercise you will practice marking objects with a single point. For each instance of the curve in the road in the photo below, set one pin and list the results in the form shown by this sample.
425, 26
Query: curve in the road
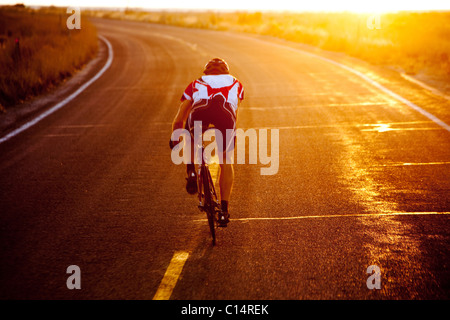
62, 103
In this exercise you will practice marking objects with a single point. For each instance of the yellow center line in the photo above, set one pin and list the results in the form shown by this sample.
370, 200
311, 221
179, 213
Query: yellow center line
61, 135
414, 164
361, 215
171, 276
355, 125
75, 126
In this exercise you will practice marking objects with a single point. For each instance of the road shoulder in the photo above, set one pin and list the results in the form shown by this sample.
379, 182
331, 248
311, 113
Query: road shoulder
16, 116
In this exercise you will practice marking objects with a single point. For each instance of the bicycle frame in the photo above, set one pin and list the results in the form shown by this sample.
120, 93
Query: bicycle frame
207, 196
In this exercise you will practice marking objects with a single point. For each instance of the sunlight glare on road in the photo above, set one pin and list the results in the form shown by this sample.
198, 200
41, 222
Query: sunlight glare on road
319, 5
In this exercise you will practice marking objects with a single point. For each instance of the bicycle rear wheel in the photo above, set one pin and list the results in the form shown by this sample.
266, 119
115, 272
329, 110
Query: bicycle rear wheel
209, 201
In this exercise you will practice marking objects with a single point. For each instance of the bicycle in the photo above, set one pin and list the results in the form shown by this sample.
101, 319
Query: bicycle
207, 196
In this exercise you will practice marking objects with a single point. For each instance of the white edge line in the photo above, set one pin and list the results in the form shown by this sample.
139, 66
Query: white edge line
373, 82
385, 90
66, 100
425, 86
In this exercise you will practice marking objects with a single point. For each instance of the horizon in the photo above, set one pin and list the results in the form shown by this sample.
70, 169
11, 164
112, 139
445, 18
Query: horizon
234, 5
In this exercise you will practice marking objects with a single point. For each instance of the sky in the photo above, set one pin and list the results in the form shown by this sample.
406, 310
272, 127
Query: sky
296, 5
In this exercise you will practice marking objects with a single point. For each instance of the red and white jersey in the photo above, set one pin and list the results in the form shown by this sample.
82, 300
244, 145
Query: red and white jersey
209, 86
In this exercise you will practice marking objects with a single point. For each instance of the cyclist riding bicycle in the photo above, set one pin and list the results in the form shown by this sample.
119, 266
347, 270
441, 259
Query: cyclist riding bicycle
212, 99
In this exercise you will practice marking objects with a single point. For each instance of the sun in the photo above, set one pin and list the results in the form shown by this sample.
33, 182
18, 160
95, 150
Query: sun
359, 6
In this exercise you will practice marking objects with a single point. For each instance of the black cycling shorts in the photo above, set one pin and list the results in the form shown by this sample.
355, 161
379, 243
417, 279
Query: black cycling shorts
217, 113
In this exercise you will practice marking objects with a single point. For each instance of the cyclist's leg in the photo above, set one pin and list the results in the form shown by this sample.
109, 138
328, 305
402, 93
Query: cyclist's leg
199, 113
226, 180
226, 177
191, 180
227, 126
190, 166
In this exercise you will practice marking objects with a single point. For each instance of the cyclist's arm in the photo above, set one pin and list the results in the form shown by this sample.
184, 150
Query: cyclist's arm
182, 115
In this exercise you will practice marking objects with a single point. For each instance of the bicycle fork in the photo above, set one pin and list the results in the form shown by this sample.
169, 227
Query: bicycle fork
200, 188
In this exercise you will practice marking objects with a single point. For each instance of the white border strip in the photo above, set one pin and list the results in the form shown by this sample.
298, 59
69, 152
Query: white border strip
66, 100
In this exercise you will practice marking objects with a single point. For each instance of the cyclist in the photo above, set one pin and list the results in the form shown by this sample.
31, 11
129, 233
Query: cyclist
212, 99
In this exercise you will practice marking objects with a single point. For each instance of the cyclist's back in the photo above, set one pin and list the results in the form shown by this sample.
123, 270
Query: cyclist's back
215, 100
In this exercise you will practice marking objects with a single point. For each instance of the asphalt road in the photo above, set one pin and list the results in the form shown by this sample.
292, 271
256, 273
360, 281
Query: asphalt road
363, 180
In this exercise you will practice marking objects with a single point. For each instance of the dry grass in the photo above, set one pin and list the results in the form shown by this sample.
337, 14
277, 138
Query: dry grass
408, 40
38, 51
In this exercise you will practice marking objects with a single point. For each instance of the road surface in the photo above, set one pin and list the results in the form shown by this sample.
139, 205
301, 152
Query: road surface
363, 180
